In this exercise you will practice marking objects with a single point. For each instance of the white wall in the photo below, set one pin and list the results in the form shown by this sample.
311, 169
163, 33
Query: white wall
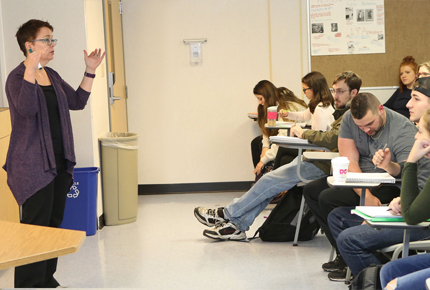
192, 119
75, 32
99, 96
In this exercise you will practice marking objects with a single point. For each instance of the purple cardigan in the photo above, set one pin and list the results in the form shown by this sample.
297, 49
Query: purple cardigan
30, 161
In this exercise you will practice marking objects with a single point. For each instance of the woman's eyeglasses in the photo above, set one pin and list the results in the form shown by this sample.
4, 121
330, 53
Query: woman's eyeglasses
48, 41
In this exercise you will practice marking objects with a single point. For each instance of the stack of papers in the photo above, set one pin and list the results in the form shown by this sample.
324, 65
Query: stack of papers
376, 214
286, 139
289, 124
358, 177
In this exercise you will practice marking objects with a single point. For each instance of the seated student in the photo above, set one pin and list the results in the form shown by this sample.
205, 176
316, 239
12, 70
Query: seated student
357, 242
268, 95
232, 221
407, 76
411, 272
424, 69
407, 273
365, 129
321, 102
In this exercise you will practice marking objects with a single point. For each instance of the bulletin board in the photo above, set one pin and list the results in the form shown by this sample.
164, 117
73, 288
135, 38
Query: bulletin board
406, 33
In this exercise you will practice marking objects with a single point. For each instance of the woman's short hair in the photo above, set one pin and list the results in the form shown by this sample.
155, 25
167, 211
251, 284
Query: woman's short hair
28, 31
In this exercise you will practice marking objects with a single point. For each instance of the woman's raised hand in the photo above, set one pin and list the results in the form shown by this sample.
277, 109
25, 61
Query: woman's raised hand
93, 60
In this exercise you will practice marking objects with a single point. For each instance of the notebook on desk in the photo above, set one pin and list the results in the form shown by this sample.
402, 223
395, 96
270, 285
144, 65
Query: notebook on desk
286, 139
357, 177
377, 214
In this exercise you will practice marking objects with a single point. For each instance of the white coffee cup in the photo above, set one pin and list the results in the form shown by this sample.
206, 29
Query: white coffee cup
340, 168
272, 115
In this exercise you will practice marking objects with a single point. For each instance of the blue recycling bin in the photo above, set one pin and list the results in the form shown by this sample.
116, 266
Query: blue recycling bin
81, 204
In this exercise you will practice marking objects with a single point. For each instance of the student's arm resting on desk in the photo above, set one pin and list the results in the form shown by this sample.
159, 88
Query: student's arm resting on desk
328, 139
348, 149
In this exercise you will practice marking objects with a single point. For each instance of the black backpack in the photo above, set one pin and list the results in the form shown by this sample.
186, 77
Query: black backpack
280, 226
367, 279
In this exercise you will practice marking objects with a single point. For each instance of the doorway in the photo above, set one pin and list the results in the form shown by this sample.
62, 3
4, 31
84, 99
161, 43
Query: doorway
115, 62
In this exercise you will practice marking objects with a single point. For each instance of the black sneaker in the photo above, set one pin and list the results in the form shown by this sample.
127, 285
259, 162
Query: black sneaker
336, 264
209, 217
338, 275
225, 231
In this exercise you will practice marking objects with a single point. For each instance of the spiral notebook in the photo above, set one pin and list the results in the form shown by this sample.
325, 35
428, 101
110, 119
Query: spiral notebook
358, 177
286, 139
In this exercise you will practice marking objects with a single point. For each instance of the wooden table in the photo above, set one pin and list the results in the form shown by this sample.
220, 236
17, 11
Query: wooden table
22, 244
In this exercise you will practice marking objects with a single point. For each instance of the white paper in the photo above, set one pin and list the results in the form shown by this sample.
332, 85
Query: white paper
347, 27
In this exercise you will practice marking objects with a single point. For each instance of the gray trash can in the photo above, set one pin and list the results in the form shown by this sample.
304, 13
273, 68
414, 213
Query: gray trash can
119, 176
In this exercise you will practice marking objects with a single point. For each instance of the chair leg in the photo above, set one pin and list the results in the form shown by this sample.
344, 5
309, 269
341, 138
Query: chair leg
299, 221
331, 256
348, 276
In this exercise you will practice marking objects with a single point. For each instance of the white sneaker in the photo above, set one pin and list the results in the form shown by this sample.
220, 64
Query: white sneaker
225, 231
209, 217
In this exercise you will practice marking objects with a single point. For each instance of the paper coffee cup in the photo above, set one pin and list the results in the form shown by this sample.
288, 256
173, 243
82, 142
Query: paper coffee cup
340, 168
272, 115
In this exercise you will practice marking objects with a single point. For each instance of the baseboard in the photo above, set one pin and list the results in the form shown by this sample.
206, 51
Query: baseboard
193, 187
101, 221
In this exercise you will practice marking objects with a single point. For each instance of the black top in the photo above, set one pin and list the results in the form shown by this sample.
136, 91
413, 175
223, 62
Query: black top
398, 102
54, 119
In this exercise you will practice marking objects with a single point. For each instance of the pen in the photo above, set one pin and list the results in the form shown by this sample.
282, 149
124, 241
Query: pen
385, 146
389, 209
38, 64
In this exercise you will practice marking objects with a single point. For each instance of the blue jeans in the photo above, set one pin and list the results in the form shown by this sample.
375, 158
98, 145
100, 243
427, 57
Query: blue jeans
357, 242
243, 211
411, 272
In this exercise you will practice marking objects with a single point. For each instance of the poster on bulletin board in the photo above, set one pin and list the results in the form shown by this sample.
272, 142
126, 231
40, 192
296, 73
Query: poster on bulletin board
347, 27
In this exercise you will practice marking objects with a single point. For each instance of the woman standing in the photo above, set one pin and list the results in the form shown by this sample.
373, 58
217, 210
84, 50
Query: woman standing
41, 157
407, 76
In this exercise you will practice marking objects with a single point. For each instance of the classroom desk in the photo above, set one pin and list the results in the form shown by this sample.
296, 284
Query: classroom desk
301, 147
400, 225
288, 125
363, 186
319, 157
22, 244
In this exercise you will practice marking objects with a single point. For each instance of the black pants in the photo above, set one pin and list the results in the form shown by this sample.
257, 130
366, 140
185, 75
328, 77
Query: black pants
285, 156
44, 208
256, 148
322, 199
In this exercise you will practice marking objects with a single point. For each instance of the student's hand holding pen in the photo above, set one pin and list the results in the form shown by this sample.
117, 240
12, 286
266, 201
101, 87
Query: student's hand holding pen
382, 158
284, 113
394, 207
297, 131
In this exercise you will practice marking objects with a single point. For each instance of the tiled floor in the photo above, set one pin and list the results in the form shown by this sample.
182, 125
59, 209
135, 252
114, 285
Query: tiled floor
165, 249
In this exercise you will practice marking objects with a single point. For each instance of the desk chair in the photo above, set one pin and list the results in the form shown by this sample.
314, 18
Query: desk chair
310, 156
